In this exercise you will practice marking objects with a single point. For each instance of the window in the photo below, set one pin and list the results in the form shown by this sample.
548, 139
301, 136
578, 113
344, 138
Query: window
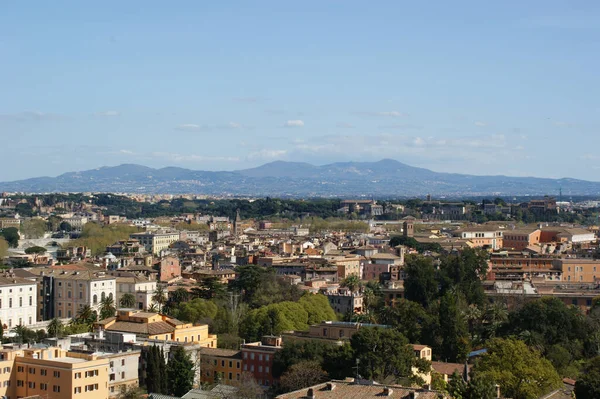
31, 385
31, 370
260, 357
230, 364
20, 383
10, 302
95, 298
77, 390
44, 387
112, 377
77, 375
56, 375
56, 388
20, 369
222, 363
43, 372
245, 355
252, 356
230, 376
122, 374
29, 320
80, 297
122, 362
30, 301
112, 364
68, 294
267, 369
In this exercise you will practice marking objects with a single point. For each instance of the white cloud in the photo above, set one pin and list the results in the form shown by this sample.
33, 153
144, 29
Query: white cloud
108, 113
126, 152
294, 123
480, 124
234, 125
345, 125
189, 127
267, 154
175, 157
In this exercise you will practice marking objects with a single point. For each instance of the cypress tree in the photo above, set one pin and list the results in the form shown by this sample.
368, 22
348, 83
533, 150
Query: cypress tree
180, 372
162, 372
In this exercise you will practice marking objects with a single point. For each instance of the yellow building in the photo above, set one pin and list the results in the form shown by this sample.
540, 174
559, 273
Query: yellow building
52, 373
158, 326
220, 365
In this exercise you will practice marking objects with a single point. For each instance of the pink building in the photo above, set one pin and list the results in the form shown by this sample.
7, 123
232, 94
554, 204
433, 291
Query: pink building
372, 271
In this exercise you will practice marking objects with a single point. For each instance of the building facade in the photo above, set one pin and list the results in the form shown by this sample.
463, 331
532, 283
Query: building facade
18, 301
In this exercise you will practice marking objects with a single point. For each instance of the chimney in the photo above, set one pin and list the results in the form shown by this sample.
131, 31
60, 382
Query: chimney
330, 386
387, 391
310, 394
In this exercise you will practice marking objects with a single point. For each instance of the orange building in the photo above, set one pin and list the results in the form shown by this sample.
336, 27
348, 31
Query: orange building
521, 239
578, 270
158, 326
52, 373
220, 365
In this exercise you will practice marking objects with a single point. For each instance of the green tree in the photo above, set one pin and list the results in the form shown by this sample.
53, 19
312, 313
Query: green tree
520, 371
210, 287
180, 295
159, 298
11, 235
317, 308
352, 282
180, 372
127, 300
195, 311
65, 226
35, 250
453, 328
86, 315
588, 384
382, 353
55, 327
420, 284
107, 307
53, 223
406, 316
465, 271
154, 364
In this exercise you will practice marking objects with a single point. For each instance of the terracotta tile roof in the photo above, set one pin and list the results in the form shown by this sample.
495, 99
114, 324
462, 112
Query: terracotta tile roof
159, 327
447, 368
216, 352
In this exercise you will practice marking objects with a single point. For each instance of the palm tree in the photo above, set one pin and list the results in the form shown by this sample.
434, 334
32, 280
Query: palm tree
107, 308
23, 334
180, 295
352, 282
86, 315
153, 308
159, 297
127, 300
55, 327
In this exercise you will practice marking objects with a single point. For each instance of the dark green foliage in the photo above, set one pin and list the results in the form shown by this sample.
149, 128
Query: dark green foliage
453, 329
420, 284
382, 353
588, 384
155, 370
11, 235
35, 250
465, 271
413, 243
179, 372
405, 316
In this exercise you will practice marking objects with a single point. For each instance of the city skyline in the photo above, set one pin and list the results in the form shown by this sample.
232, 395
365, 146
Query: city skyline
483, 89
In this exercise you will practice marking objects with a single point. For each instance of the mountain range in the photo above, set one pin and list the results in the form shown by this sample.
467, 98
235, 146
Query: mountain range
385, 178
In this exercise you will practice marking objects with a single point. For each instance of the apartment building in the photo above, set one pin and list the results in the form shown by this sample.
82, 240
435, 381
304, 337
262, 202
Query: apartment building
169, 268
155, 242
123, 370
521, 239
159, 327
52, 373
258, 358
64, 292
5, 223
141, 287
222, 366
482, 236
18, 301
344, 301
578, 270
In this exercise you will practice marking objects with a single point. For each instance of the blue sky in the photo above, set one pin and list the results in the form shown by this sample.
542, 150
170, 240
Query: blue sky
479, 87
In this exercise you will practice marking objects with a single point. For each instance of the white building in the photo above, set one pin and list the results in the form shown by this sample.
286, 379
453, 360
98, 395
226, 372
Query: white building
141, 287
18, 301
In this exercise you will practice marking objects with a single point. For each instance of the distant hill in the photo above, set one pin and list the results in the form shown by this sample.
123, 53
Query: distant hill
385, 178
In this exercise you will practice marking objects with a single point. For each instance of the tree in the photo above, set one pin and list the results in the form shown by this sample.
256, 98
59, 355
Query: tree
127, 300
453, 328
588, 384
33, 228
406, 316
107, 307
3, 247
520, 371
65, 226
155, 376
159, 298
55, 327
180, 372
180, 295
11, 235
465, 271
86, 315
131, 393
210, 287
53, 222
382, 353
352, 282
420, 285
35, 251
304, 374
